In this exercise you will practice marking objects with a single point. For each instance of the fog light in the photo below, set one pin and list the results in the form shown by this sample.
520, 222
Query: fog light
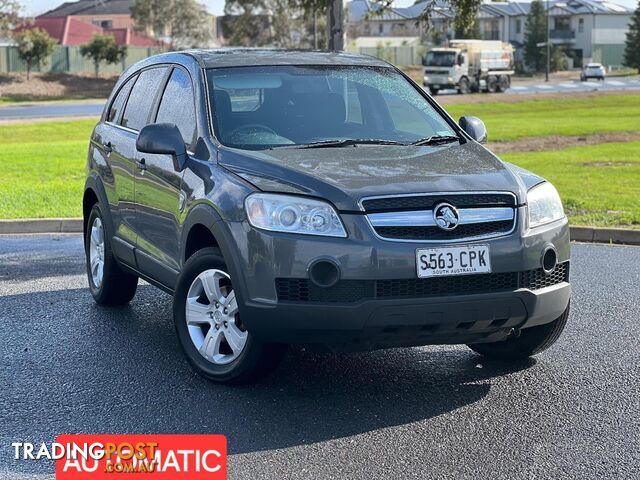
324, 273
549, 259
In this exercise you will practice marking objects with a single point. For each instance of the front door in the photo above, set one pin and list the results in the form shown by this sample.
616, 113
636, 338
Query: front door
158, 186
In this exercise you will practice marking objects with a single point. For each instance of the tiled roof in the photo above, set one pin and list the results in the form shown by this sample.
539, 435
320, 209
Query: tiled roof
71, 31
91, 7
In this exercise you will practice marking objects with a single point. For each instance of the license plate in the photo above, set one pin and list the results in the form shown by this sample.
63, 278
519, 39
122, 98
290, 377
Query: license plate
436, 86
459, 260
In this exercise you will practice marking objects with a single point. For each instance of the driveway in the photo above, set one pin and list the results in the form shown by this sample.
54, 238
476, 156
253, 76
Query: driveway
433, 412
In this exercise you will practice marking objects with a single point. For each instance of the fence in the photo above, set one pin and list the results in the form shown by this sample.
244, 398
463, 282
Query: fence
402, 56
69, 59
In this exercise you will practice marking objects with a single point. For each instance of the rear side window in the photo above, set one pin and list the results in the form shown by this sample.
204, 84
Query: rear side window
138, 109
177, 106
120, 100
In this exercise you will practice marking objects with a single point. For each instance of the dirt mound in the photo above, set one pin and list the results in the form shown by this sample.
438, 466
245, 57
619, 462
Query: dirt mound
557, 142
43, 86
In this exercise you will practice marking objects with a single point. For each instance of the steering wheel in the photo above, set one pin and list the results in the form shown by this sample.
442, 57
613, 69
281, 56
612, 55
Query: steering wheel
251, 128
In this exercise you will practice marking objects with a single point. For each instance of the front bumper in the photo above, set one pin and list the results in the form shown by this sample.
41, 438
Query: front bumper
259, 259
410, 322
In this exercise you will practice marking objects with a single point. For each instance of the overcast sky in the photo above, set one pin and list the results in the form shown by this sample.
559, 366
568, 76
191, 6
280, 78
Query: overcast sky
36, 7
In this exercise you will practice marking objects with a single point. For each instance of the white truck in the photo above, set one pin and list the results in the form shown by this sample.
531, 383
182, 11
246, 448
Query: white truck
469, 66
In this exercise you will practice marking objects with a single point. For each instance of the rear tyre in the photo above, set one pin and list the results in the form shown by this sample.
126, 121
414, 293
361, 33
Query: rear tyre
433, 91
503, 83
464, 86
492, 84
530, 342
108, 283
209, 327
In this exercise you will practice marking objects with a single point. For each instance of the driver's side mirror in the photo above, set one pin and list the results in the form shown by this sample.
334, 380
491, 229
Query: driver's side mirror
474, 127
163, 138
460, 60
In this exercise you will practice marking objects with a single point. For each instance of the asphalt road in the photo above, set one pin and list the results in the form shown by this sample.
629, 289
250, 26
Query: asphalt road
567, 86
434, 412
28, 111
93, 108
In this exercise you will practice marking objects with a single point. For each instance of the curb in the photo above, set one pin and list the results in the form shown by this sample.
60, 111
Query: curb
605, 235
41, 225
74, 225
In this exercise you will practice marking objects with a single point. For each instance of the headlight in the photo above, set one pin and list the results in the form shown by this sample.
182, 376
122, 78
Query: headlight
544, 205
288, 213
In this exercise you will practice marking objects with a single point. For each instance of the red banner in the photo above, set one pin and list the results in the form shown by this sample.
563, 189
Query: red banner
157, 457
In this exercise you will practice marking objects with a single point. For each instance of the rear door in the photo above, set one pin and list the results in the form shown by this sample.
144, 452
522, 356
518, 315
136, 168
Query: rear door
116, 150
158, 186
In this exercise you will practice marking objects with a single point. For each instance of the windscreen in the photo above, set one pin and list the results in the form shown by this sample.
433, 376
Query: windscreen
440, 59
264, 107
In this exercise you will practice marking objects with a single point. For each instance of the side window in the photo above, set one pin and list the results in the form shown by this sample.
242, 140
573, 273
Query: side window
118, 103
177, 106
138, 109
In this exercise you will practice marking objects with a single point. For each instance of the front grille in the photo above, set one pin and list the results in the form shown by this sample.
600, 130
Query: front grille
436, 233
427, 202
350, 291
302, 290
454, 285
536, 279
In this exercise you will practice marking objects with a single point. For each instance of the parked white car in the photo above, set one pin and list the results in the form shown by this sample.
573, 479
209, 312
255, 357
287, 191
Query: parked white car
593, 70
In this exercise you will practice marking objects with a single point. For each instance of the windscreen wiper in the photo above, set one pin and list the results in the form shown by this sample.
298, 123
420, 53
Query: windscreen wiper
349, 142
436, 139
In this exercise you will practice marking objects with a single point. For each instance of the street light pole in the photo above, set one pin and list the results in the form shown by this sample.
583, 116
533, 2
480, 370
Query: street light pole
315, 26
548, 67
335, 25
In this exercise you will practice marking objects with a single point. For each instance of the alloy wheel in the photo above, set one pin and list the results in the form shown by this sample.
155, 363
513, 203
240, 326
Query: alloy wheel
96, 252
212, 318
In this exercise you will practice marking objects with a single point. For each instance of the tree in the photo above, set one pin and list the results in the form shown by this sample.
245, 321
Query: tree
632, 44
535, 32
34, 45
275, 23
264, 22
103, 48
466, 11
9, 15
185, 23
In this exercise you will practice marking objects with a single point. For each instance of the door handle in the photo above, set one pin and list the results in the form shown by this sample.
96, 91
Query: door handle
107, 147
142, 164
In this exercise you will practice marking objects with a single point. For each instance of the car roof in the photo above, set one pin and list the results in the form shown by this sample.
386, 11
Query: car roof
247, 57
594, 64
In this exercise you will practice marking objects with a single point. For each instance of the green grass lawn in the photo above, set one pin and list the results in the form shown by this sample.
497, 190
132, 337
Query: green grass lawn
43, 164
43, 168
570, 116
599, 184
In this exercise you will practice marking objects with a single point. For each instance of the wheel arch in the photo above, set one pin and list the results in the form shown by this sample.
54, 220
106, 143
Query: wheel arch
94, 193
204, 217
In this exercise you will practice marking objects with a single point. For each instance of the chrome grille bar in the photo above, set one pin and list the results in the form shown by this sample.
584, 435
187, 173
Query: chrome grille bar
424, 218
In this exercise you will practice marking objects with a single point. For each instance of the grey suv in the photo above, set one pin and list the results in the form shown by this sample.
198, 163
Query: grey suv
320, 199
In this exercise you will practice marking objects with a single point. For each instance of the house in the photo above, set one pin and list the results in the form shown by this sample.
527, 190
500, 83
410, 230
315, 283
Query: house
365, 19
588, 30
104, 13
74, 23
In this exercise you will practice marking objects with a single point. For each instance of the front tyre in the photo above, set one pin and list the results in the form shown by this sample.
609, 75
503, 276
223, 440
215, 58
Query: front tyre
108, 283
209, 326
464, 86
530, 342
